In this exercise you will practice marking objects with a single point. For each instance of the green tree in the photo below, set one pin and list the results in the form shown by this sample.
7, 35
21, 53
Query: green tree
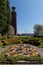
38, 29
4, 16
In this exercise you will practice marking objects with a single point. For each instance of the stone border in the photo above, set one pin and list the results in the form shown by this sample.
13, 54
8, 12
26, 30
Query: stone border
23, 62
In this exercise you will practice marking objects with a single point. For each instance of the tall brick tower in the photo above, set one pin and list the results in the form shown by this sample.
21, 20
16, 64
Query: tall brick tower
13, 23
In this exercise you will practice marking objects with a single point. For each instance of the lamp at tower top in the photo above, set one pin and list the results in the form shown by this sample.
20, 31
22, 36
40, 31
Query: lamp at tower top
13, 9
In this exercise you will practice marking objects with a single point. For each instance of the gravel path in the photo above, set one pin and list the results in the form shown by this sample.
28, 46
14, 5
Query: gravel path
40, 50
3, 49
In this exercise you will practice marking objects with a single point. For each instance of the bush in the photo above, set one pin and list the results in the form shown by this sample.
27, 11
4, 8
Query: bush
32, 40
32, 58
4, 44
3, 37
14, 41
20, 57
9, 36
27, 58
11, 41
2, 57
41, 45
10, 59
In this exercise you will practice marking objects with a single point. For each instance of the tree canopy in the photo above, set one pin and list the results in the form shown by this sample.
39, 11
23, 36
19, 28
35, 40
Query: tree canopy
38, 29
4, 16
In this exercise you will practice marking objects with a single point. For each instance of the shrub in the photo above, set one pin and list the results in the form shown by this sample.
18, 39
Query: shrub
20, 57
11, 41
9, 36
10, 59
3, 37
14, 41
27, 58
0, 43
32, 40
4, 44
2, 57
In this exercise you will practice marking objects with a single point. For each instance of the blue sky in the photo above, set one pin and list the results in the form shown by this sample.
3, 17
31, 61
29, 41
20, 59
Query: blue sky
29, 13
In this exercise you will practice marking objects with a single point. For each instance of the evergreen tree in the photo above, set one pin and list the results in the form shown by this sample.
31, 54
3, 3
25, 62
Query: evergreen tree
4, 16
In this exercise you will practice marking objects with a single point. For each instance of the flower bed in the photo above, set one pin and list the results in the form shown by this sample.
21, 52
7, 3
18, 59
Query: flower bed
22, 52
